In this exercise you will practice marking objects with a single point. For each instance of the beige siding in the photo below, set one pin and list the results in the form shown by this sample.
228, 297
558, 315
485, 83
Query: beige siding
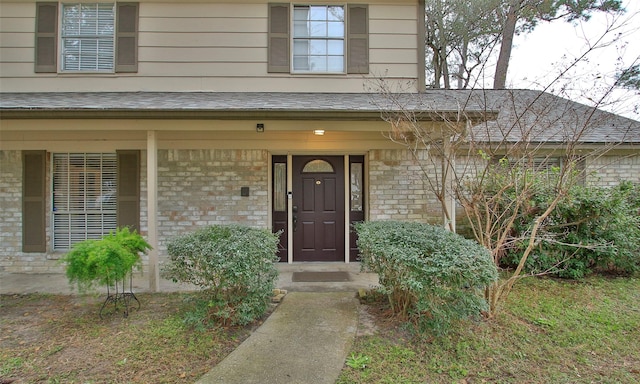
16, 40
17, 9
207, 46
203, 39
382, 42
16, 55
202, 24
400, 56
16, 24
195, 82
200, 54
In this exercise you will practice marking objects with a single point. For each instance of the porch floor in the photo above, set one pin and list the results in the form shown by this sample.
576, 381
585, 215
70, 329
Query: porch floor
56, 283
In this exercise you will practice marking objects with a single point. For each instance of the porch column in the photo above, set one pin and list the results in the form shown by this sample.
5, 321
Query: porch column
449, 184
152, 209
347, 210
289, 209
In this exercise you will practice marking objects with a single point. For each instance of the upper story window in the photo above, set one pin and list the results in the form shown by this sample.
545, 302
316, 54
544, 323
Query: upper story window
323, 38
318, 38
88, 32
86, 37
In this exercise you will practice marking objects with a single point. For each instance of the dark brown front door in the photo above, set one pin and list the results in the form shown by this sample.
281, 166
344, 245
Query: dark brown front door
318, 208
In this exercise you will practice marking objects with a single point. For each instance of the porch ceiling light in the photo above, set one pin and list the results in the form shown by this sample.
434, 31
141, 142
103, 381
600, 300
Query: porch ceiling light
318, 132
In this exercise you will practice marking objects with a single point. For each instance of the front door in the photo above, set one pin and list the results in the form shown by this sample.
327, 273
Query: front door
318, 208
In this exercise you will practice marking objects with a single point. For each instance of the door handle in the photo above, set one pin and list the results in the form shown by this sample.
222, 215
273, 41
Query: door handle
295, 217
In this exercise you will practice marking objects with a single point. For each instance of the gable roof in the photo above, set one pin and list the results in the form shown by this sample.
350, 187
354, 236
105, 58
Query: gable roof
546, 118
540, 116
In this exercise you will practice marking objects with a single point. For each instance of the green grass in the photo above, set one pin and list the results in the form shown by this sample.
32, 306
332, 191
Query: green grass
548, 331
61, 339
10, 365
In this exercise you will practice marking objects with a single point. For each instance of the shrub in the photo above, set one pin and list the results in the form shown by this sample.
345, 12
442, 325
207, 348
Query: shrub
594, 229
104, 261
234, 265
430, 275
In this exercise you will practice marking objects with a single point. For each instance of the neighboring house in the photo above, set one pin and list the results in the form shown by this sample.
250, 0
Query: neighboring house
169, 116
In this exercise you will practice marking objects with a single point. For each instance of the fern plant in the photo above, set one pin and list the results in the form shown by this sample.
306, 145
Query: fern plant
105, 261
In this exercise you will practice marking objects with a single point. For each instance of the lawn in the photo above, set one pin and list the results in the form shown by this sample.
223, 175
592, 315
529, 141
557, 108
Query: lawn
549, 331
62, 339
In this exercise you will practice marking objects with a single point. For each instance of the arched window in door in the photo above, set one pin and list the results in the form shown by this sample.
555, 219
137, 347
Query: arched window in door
318, 166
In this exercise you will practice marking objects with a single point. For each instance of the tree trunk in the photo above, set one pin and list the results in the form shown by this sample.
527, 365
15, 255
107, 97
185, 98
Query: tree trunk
437, 73
463, 79
508, 32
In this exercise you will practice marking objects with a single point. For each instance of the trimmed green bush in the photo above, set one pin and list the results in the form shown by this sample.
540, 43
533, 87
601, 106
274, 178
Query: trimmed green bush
235, 267
431, 276
104, 261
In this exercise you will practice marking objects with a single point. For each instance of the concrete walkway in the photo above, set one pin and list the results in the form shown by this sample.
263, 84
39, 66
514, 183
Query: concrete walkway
305, 340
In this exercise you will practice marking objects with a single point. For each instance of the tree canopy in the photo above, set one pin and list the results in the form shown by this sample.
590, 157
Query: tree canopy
462, 35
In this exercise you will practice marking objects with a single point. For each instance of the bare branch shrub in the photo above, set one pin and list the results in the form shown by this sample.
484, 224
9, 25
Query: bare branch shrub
495, 153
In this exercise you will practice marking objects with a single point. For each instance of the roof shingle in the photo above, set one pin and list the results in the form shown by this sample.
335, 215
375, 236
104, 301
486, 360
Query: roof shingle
544, 117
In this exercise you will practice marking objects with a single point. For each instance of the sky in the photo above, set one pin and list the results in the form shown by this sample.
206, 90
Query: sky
538, 58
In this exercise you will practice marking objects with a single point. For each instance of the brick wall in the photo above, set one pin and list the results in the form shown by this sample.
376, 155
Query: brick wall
12, 259
202, 187
10, 207
610, 170
397, 190
197, 188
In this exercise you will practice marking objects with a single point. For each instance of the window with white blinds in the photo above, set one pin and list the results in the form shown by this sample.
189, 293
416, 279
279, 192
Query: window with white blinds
84, 197
88, 31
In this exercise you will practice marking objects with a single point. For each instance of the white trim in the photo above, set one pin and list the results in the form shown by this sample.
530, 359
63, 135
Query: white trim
365, 187
347, 208
449, 197
270, 191
152, 210
289, 208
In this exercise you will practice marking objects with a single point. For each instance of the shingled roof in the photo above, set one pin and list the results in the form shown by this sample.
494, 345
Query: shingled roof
501, 113
234, 105
543, 117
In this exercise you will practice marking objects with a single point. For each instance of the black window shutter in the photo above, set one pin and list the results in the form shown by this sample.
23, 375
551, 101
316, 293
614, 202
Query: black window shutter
46, 37
278, 38
33, 201
128, 203
127, 37
358, 38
